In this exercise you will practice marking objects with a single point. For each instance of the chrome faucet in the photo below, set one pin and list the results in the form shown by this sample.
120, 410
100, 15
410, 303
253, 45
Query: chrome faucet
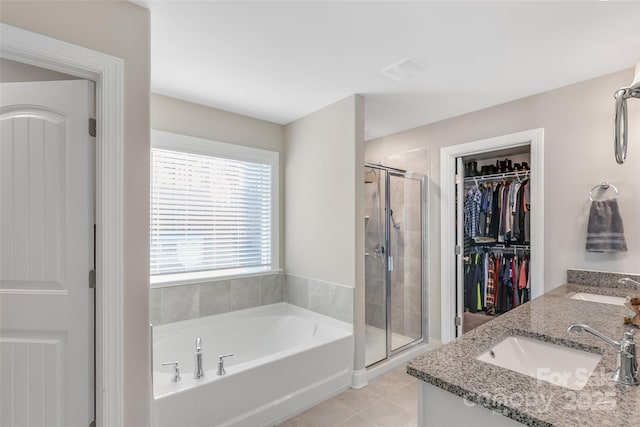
629, 280
198, 373
627, 363
221, 358
176, 370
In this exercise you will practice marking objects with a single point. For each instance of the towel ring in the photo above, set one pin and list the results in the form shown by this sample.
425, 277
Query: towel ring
604, 186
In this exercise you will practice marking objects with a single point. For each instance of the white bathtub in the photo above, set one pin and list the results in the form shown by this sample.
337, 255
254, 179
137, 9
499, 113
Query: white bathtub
286, 359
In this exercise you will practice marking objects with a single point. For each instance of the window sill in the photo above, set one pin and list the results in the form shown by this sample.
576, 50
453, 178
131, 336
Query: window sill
209, 276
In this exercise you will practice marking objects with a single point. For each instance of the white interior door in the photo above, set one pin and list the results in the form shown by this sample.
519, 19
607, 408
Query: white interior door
47, 184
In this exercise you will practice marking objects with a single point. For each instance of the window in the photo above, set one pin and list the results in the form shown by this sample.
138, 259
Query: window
213, 209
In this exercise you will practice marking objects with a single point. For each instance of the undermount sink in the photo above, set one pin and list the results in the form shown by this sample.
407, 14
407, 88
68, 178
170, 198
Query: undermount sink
604, 299
563, 366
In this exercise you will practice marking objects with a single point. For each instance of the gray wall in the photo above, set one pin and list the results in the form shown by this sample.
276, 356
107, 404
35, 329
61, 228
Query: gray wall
320, 193
577, 122
324, 213
120, 29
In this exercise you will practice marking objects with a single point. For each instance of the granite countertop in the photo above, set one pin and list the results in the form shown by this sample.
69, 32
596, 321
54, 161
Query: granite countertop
453, 367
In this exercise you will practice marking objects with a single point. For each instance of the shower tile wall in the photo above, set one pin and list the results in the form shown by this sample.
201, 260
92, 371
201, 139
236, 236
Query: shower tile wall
374, 263
184, 302
409, 277
406, 293
326, 298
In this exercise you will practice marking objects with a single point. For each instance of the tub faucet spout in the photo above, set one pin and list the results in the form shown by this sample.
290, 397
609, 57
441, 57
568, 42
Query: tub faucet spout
199, 372
627, 362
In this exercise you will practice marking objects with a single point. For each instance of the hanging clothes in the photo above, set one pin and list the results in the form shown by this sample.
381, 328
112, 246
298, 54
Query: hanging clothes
496, 216
471, 211
505, 226
491, 284
498, 212
494, 226
473, 278
506, 280
527, 217
487, 205
523, 280
495, 281
482, 211
513, 268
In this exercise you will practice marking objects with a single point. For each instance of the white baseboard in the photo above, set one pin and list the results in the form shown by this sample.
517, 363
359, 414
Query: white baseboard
359, 379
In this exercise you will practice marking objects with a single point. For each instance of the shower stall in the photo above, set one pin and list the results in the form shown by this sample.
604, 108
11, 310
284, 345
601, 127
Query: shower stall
395, 308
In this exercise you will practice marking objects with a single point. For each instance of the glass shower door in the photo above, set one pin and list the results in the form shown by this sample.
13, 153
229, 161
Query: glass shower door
393, 261
375, 265
405, 260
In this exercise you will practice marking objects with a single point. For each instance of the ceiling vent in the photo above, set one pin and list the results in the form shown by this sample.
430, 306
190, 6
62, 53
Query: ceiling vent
403, 69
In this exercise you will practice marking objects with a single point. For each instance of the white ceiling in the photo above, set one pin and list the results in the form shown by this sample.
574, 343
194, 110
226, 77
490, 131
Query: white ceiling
279, 61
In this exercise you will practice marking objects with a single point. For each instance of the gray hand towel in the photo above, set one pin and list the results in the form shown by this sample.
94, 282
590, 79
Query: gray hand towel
605, 232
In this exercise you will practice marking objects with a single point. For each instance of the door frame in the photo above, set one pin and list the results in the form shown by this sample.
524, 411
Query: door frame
108, 73
448, 155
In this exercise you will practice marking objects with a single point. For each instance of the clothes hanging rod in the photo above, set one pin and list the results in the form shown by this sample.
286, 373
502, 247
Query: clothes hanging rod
498, 176
524, 246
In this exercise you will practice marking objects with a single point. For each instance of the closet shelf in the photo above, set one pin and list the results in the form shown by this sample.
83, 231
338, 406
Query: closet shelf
502, 245
497, 176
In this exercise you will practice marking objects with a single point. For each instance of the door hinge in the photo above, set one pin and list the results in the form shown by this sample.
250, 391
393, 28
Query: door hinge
92, 127
458, 250
458, 179
92, 279
458, 320
390, 263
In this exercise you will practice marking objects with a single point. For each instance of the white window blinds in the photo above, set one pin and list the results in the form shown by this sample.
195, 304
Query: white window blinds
208, 213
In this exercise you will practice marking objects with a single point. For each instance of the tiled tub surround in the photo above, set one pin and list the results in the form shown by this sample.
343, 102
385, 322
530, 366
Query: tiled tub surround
183, 302
454, 368
326, 298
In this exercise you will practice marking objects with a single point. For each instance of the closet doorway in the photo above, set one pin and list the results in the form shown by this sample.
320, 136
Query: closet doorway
472, 246
394, 258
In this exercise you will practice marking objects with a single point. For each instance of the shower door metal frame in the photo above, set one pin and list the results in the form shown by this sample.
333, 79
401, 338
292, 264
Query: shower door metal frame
423, 250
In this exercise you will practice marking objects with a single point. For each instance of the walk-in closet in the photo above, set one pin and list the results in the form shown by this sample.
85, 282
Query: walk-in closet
494, 234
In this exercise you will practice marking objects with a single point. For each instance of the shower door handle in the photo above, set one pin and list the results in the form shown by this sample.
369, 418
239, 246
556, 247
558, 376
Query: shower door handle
390, 263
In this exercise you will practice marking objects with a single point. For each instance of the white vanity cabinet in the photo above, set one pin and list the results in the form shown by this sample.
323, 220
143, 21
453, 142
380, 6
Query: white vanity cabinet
437, 408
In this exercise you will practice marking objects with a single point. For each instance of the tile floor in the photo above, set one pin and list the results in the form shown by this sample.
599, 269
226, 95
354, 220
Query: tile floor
390, 400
